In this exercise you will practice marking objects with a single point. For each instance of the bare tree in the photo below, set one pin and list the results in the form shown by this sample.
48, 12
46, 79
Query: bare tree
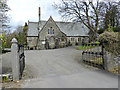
3, 16
85, 11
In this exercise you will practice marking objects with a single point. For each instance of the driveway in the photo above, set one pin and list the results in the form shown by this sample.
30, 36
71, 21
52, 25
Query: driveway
62, 68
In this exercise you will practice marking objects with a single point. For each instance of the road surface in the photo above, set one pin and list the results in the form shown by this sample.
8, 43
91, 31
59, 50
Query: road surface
61, 68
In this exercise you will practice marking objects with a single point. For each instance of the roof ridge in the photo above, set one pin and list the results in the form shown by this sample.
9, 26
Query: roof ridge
55, 21
32, 22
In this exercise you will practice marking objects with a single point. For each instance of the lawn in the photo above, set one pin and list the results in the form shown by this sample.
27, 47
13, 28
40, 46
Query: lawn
84, 47
87, 46
115, 70
97, 60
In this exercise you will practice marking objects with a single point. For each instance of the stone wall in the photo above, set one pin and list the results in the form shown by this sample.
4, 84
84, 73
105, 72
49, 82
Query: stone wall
112, 61
45, 35
44, 32
32, 42
6, 63
77, 39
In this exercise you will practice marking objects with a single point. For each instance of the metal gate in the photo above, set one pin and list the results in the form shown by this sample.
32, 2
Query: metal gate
21, 59
94, 55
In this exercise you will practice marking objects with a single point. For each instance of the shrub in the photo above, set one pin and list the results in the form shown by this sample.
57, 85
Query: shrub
110, 40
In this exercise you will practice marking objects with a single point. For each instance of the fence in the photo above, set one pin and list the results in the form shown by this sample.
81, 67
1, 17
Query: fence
94, 55
97, 55
21, 58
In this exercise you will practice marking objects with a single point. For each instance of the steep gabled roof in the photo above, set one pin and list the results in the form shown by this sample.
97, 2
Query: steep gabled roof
49, 20
33, 28
69, 28
73, 28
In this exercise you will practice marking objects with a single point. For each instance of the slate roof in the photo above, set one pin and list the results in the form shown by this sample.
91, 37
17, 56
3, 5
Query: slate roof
73, 29
32, 29
69, 28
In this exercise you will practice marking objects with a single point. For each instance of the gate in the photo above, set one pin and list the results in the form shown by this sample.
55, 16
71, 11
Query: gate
94, 55
21, 59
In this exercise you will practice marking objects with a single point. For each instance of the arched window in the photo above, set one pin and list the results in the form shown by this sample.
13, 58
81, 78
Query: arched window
51, 31
48, 31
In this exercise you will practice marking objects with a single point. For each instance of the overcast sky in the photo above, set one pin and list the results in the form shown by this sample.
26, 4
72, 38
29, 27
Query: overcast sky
24, 10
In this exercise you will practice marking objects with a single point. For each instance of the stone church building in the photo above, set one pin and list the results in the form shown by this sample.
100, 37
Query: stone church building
54, 34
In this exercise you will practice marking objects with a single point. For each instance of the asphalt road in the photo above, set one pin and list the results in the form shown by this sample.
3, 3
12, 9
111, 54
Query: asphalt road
61, 68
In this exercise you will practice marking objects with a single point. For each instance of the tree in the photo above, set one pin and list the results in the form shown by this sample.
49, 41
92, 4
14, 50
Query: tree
90, 13
21, 34
3, 16
9, 37
112, 15
119, 32
86, 12
111, 40
3, 41
3, 22
25, 29
109, 15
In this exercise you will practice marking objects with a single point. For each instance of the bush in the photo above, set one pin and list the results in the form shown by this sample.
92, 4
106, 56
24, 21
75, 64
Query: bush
100, 31
110, 40
97, 42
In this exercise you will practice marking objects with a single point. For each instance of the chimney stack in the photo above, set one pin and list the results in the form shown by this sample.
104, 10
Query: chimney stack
39, 19
39, 14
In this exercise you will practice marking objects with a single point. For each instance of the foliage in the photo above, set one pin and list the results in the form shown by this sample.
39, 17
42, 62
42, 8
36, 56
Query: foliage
25, 33
97, 42
112, 15
83, 47
110, 40
97, 60
86, 12
100, 31
115, 29
109, 29
20, 34
91, 14
109, 15
109, 36
3, 16
3, 41
115, 70
3, 22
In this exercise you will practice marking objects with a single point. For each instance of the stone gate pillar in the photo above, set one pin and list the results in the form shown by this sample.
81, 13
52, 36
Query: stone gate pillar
15, 60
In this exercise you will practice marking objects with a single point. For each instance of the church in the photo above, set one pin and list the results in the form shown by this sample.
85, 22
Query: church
52, 34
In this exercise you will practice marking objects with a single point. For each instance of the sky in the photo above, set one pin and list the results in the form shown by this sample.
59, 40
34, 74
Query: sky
24, 10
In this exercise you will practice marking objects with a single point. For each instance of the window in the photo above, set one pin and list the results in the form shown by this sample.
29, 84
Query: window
51, 31
30, 40
48, 31
72, 39
79, 39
